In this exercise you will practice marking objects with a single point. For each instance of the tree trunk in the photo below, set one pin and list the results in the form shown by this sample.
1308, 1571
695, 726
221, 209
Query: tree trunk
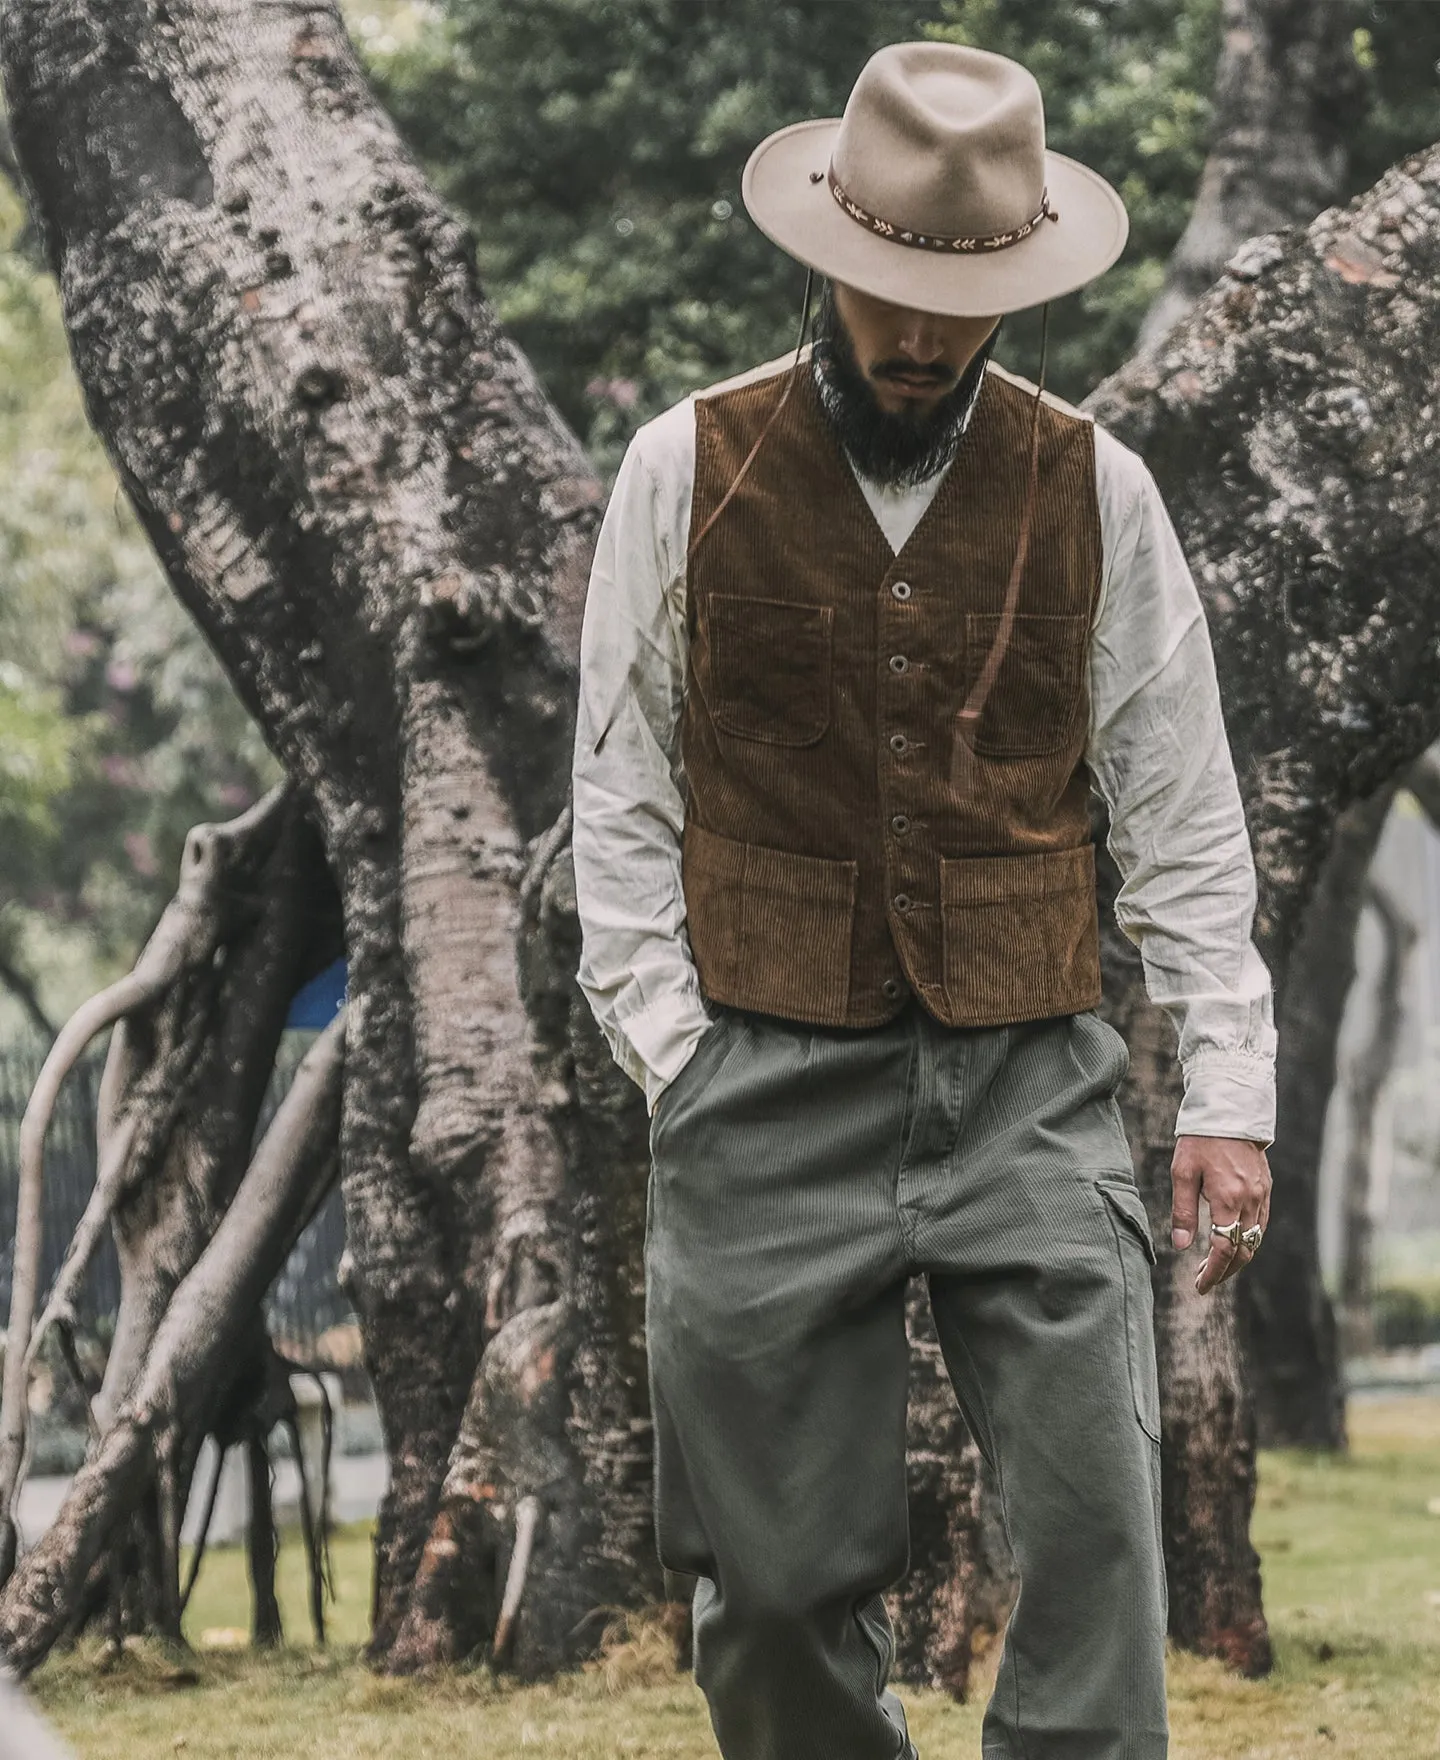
1292, 1344
195, 1034
1290, 424
1288, 92
360, 492
22, 988
1288, 95
1207, 1429
185, 1371
1368, 1075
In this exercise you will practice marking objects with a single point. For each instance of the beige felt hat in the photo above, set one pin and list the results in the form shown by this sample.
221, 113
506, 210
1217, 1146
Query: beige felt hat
935, 190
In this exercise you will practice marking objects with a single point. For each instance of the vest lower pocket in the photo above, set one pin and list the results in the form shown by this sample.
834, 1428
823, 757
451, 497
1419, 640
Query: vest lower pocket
768, 668
1021, 935
769, 929
1035, 701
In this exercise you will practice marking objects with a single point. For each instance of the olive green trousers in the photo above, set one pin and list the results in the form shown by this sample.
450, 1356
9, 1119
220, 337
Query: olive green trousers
799, 1176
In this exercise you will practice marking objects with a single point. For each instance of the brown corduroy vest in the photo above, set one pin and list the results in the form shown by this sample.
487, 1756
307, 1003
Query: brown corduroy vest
828, 867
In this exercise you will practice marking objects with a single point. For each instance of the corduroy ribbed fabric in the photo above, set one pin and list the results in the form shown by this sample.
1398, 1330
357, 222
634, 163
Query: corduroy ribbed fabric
799, 1176
829, 868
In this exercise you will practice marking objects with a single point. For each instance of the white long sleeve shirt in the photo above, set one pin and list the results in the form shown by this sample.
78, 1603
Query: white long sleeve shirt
1156, 751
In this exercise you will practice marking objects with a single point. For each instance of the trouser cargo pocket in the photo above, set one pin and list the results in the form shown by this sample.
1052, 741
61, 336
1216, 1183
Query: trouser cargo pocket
1136, 1247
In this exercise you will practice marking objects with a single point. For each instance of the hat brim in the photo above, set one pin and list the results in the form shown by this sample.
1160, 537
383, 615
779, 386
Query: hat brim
805, 220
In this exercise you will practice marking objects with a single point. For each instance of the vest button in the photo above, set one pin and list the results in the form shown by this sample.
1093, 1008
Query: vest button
892, 989
902, 901
900, 589
900, 824
899, 743
898, 663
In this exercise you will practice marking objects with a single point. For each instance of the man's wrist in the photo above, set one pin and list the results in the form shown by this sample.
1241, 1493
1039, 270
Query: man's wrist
1260, 1143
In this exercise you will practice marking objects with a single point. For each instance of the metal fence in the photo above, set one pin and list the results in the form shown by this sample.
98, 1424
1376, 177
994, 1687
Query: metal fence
305, 1303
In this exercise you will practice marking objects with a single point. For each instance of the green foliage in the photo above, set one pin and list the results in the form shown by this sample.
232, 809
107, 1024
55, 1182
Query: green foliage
1399, 50
598, 146
37, 748
1407, 1314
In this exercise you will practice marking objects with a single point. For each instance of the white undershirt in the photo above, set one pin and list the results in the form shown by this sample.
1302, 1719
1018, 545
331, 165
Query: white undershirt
897, 511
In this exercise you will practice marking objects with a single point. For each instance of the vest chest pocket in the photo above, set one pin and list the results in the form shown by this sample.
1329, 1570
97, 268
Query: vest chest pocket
1036, 698
770, 664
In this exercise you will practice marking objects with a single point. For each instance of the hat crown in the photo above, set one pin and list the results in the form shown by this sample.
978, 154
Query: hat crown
938, 138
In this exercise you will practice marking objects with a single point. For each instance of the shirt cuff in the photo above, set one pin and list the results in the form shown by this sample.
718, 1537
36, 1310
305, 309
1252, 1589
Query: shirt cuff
1228, 1094
661, 1038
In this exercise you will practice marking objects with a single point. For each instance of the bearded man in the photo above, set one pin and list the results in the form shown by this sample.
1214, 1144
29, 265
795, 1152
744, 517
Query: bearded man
865, 628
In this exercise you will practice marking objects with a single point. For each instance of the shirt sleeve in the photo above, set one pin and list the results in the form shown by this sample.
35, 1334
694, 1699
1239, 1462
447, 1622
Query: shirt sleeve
636, 969
1160, 759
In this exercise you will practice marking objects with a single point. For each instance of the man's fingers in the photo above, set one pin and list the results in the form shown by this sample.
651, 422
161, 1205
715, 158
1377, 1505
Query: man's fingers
1233, 1180
1240, 1259
1217, 1264
1226, 1258
1185, 1210
1255, 1211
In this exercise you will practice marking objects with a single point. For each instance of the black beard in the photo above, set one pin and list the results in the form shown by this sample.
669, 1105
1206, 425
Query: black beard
897, 448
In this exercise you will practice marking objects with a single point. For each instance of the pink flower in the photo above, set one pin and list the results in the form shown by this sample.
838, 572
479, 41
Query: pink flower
623, 393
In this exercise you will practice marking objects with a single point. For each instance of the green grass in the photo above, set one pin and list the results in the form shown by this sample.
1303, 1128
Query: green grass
1351, 1553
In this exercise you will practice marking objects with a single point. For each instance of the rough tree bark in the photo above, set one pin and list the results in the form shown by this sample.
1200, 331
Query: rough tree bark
195, 1031
361, 494
1291, 424
1288, 93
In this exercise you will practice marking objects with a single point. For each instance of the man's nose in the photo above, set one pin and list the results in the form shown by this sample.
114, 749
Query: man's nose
920, 339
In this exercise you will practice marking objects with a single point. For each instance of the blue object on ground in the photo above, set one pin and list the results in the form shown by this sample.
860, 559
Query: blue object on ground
317, 1003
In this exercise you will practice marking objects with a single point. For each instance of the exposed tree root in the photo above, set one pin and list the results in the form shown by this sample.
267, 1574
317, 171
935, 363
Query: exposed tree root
528, 1514
293, 1167
193, 926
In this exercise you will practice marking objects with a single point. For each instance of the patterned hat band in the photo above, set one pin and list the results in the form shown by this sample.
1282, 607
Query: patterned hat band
932, 241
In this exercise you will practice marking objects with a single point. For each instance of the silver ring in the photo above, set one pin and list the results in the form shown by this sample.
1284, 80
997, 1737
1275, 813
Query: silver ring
1228, 1231
1253, 1236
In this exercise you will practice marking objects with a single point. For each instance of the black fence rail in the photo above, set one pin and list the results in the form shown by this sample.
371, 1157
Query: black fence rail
310, 1317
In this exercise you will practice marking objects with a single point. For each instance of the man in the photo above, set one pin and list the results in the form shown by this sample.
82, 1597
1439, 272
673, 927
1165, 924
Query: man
864, 629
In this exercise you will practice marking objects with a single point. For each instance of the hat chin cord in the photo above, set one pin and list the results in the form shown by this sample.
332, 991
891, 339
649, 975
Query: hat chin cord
789, 385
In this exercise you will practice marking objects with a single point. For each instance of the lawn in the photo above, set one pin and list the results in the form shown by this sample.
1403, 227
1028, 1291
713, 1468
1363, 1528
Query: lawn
1351, 1553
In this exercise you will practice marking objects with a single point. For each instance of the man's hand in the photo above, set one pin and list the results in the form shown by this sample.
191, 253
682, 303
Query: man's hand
1233, 1176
